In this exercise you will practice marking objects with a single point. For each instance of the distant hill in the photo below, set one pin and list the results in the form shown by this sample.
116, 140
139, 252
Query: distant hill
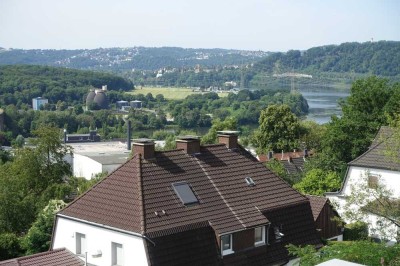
20, 83
123, 59
376, 58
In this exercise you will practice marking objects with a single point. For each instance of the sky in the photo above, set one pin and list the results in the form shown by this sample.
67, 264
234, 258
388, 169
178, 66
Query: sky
266, 25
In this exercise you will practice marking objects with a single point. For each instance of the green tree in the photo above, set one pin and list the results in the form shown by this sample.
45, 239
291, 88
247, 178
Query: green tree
279, 129
9, 246
317, 182
39, 235
218, 125
364, 252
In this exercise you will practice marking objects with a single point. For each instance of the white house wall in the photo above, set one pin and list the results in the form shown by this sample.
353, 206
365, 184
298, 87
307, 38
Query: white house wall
99, 239
355, 175
85, 166
390, 178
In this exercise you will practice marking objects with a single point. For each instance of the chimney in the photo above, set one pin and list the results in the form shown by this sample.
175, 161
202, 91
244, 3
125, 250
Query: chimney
229, 138
144, 147
129, 135
305, 153
270, 154
190, 144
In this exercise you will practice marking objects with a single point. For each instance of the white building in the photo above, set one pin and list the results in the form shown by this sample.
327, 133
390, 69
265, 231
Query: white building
91, 158
371, 168
38, 102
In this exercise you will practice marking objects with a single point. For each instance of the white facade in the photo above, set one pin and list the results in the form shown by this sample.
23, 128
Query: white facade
84, 166
38, 102
357, 176
104, 245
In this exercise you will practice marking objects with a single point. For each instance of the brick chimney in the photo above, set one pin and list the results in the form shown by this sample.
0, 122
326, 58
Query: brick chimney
229, 138
144, 147
190, 144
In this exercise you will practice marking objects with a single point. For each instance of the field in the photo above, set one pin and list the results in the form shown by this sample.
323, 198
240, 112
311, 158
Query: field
170, 93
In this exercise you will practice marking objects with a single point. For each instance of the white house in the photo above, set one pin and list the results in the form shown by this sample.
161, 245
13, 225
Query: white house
371, 168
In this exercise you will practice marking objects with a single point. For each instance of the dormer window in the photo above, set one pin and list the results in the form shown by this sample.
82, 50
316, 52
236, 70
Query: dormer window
226, 244
250, 182
259, 235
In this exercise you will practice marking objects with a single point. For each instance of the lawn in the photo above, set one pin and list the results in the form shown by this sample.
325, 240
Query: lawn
169, 93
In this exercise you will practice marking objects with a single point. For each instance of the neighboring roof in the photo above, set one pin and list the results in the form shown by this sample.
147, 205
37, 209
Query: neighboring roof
143, 188
59, 257
317, 204
109, 159
375, 157
293, 162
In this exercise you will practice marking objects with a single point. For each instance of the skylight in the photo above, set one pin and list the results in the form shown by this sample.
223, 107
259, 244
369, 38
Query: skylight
185, 193
250, 181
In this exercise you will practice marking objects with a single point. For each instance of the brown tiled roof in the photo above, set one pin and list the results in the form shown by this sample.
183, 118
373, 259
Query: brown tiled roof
139, 197
317, 204
375, 157
217, 177
59, 257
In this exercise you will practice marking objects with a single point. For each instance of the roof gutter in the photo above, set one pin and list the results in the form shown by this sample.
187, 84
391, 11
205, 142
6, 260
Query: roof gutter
106, 227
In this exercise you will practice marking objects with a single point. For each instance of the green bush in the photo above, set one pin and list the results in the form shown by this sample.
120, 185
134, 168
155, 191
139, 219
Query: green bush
355, 231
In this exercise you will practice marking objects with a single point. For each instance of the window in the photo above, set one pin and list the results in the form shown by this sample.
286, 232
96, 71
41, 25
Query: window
117, 254
226, 244
80, 244
372, 181
185, 193
259, 235
250, 182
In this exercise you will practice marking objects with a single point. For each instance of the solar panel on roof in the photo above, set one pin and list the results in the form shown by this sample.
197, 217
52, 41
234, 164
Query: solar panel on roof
185, 193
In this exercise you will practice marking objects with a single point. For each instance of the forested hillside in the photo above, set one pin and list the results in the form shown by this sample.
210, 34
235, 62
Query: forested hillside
19, 84
377, 58
126, 59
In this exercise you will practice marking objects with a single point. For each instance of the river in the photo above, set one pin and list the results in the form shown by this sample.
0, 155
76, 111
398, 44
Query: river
323, 103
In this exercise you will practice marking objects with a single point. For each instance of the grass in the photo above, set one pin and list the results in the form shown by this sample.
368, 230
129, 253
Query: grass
171, 93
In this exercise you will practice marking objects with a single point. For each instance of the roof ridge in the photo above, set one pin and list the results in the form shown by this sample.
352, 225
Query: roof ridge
141, 200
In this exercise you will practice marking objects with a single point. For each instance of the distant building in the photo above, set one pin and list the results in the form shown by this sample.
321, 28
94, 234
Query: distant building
92, 158
136, 104
99, 97
38, 102
75, 138
1, 120
122, 104
293, 162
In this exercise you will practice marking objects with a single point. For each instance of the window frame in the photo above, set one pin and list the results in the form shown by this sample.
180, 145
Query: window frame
115, 259
373, 181
80, 249
262, 241
226, 251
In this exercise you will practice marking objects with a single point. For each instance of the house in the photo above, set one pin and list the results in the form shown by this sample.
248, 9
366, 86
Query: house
369, 169
326, 218
196, 205
59, 257
293, 162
